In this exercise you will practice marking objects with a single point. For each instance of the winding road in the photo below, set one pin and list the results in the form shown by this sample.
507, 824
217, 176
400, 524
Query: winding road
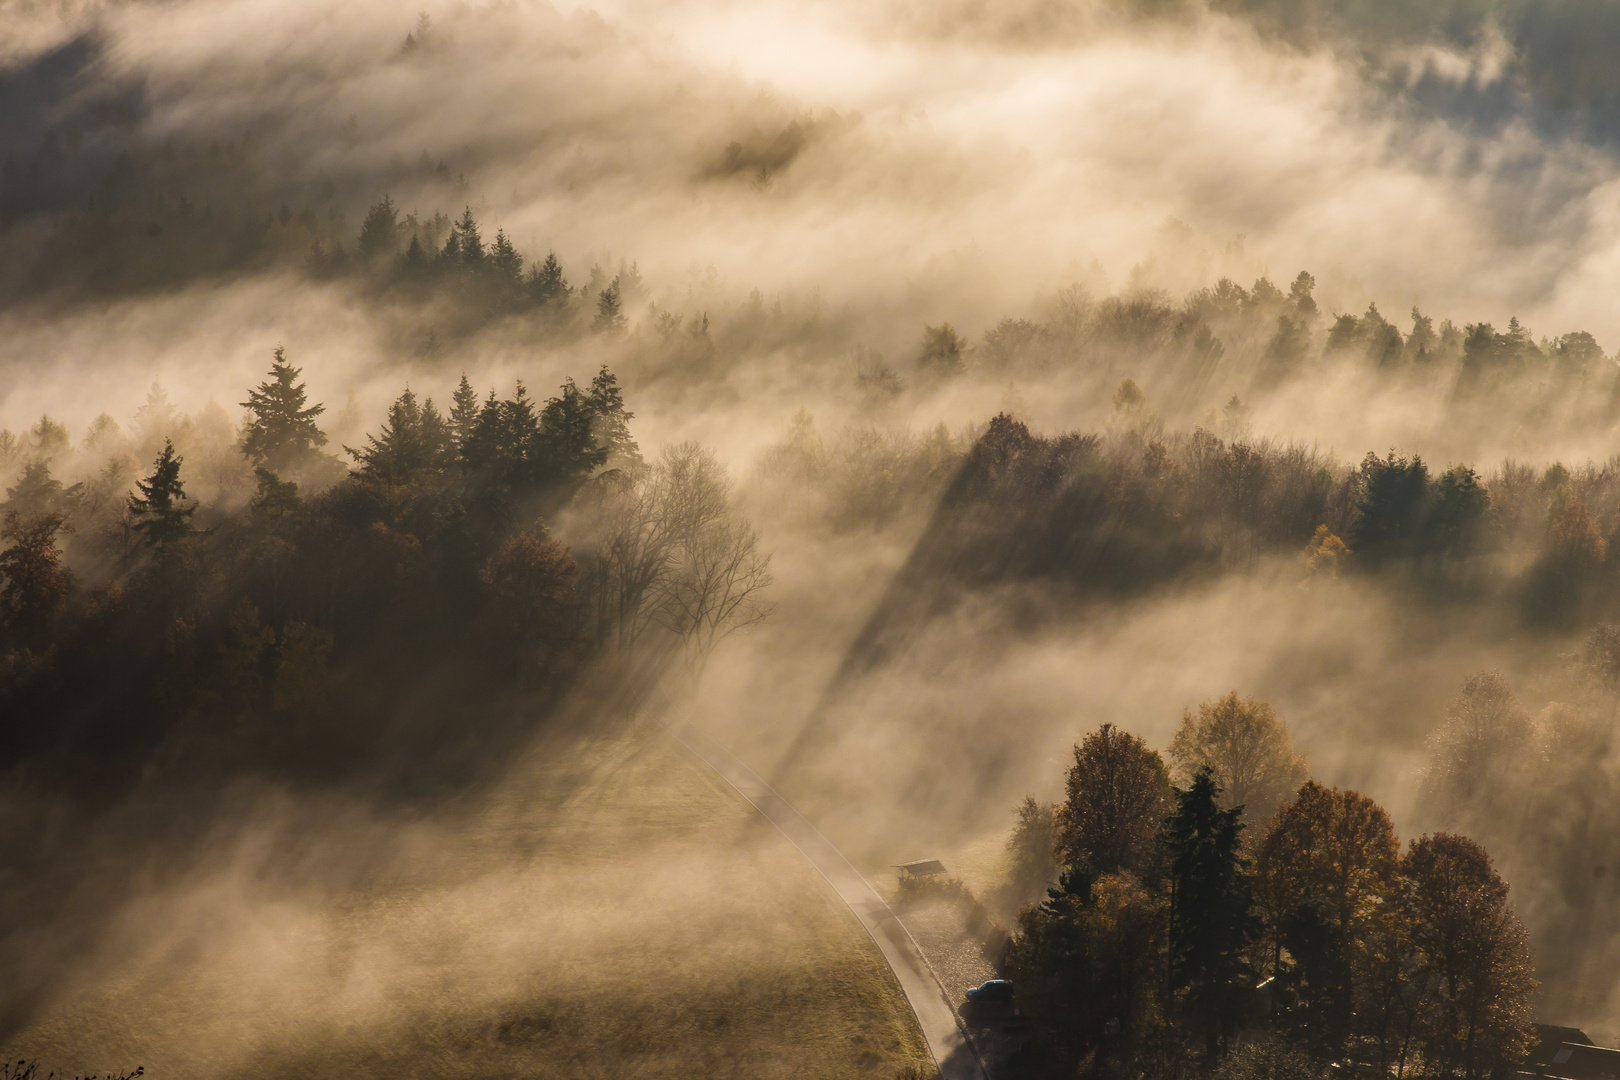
947, 1041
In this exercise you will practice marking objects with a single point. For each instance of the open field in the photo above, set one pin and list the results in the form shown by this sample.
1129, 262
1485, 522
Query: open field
612, 911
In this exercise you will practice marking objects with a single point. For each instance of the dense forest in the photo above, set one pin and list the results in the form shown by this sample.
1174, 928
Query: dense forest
420, 589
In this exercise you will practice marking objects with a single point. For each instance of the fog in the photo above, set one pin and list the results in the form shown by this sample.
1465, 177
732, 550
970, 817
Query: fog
790, 199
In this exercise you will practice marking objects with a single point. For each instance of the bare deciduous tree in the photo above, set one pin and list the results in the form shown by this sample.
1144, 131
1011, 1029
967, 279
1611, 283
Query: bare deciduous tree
718, 588
664, 552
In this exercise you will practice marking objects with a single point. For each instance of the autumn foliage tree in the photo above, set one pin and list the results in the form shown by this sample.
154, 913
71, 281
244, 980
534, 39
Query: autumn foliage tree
36, 582
1366, 959
1118, 791
1475, 956
1247, 749
1326, 870
531, 587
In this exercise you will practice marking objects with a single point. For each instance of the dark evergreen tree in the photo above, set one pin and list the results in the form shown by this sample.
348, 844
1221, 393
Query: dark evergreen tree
612, 427
34, 581
379, 232
502, 437
1299, 294
463, 414
414, 440
565, 450
36, 491
1394, 496
161, 514
546, 283
1458, 519
414, 262
1210, 923
609, 319
505, 264
464, 249
275, 498
282, 434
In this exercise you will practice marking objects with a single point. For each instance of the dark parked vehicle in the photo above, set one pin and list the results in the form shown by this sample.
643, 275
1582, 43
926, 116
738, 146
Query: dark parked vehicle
994, 990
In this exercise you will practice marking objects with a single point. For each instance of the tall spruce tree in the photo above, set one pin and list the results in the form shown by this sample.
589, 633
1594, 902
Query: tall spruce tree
463, 413
505, 264
547, 284
282, 434
379, 232
612, 426
161, 514
464, 248
413, 441
609, 318
565, 450
1210, 922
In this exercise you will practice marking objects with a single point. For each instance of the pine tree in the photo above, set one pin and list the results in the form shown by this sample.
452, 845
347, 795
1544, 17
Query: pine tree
413, 262
547, 284
155, 419
566, 451
1210, 893
609, 319
36, 583
463, 414
414, 440
611, 430
465, 248
275, 497
281, 434
36, 491
160, 513
379, 232
504, 261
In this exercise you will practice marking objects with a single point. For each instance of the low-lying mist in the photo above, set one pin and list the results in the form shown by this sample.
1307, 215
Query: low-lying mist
897, 395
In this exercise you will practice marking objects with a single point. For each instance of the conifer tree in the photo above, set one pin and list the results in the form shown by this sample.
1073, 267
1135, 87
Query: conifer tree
379, 232
612, 427
463, 413
566, 451
504, 261
414, 440
546, 282
609, 319
281, 434
161, 515
275, 497
414, 261
1210, 894
36, 491
465, 248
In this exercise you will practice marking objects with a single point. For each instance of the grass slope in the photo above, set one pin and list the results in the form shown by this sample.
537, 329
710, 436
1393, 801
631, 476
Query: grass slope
615, 911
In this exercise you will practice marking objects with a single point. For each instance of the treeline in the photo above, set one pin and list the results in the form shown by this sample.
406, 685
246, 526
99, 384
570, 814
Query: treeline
1110, 516
1225, 340
421, 259
406, 621
1243, 923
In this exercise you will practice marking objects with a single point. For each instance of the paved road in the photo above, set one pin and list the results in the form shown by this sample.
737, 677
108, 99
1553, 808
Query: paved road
946, 1040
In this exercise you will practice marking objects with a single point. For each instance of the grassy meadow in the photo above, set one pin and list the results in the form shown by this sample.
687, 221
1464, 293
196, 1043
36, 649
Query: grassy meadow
613, 910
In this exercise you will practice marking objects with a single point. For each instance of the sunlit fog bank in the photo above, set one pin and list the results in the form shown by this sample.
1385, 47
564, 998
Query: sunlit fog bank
886, 157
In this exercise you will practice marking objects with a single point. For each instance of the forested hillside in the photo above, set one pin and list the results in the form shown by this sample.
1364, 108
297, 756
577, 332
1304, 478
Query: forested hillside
1180, 435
